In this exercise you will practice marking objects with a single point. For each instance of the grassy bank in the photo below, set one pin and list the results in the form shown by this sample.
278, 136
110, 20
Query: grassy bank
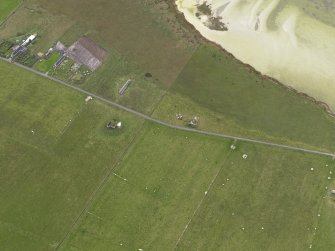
235, 99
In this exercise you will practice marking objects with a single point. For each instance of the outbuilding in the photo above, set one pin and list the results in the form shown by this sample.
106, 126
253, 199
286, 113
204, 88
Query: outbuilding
86, 52
29, 40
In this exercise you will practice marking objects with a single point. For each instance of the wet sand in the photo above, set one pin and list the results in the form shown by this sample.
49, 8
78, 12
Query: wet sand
298, 50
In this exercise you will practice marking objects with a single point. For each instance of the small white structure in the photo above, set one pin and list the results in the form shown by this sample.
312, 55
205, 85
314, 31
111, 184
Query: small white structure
29, 40
119, 125
89, 98
332, 191
244, 156
232, 147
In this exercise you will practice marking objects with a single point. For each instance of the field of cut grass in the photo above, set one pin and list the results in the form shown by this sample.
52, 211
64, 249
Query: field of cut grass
324, 237
6, 7
217, 82
169, 185
54, 153
167, 173
270, 201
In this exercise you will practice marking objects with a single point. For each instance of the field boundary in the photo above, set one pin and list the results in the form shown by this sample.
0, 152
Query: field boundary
202, 200
101, 184
162, 123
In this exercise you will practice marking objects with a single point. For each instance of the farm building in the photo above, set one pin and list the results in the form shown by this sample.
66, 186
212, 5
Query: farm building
60, 47
86, 52
29, 40
124, 87
23, 46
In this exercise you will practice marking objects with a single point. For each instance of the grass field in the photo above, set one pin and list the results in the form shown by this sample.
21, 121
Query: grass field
230, 97
128, 56
31, 18
142, 95
168, 174
6, 7
55, 151
269, 202
56, 154
45, 65
143, 22
62, 174
241, 102
53, 20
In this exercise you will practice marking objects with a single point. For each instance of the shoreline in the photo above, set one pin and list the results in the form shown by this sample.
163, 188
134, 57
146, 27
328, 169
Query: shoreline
181, 18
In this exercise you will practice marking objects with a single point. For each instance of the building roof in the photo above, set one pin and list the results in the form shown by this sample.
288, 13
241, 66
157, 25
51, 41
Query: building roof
86, 52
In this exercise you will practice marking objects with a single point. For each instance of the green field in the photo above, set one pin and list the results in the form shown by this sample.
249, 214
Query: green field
68, 183
6, 7
270, 201
230, 97
165, 185
63, 182
55, 151
128, 56
197, 80
45, 65
105, 21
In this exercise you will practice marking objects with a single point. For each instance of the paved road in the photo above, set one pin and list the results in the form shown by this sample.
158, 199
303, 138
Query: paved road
157, 121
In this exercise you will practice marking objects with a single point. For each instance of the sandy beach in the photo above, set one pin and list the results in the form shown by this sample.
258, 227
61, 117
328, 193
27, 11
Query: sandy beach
282, 43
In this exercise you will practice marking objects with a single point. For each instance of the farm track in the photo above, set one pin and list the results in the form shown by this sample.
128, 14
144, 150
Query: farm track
157, 121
